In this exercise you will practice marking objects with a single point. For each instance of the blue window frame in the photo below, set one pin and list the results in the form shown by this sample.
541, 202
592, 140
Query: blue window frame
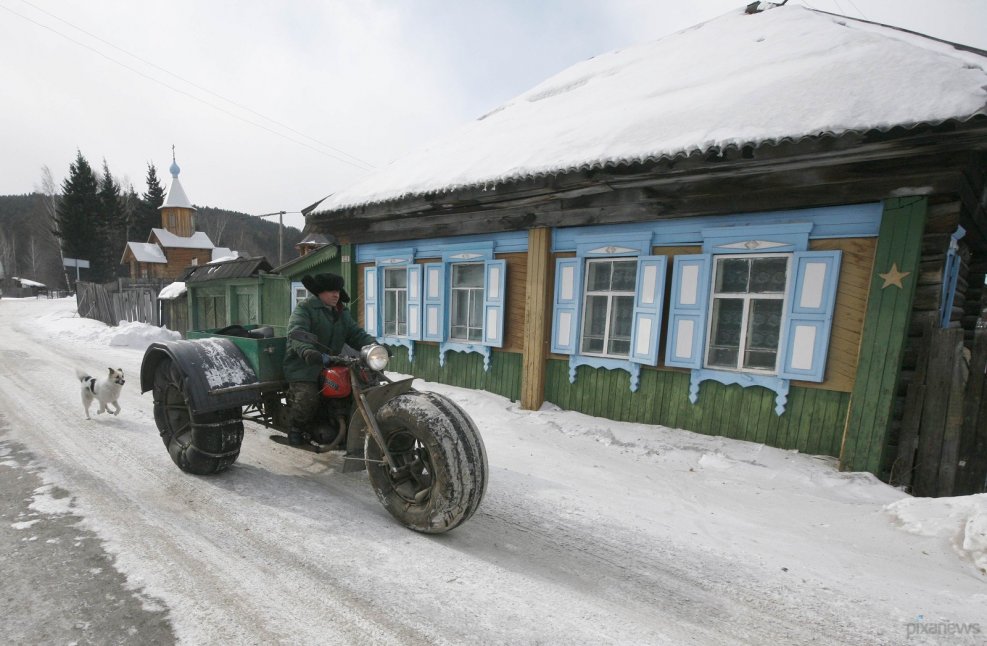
742, 313
456, 300
607, 305
950, 278
392, 300
806, 306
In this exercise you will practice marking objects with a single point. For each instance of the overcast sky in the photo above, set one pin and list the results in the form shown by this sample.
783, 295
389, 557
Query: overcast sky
273, 105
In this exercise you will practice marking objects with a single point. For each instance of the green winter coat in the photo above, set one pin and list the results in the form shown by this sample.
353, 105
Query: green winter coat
334, 327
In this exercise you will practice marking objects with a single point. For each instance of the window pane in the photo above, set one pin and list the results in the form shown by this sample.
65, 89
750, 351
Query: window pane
402, 312
389, 312
467, 275
763, 332
599, 276
768, 275
595, 325
728, 316
732, 275
620, 325
624, 275
476, 309
460, 309
396, 277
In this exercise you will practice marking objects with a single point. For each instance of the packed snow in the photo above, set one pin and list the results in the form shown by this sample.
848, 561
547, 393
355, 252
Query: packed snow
591, 531
739, 79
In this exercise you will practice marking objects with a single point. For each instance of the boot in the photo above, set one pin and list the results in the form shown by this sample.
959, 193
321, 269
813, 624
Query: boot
294, 436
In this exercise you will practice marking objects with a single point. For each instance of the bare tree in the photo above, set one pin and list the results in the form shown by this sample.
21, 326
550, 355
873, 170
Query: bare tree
8, 253
213, 222
34, 257
49, 199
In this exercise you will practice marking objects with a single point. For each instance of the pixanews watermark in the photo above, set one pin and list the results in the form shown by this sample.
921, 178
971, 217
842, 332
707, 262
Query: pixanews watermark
922, 628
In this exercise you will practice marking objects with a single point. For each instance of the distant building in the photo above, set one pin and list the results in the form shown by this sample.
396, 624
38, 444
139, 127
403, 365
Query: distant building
312, 242
176, 245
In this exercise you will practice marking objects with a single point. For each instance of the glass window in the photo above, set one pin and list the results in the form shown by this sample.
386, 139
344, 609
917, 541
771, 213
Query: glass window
467, 302
609, 307
396, 301
746, 311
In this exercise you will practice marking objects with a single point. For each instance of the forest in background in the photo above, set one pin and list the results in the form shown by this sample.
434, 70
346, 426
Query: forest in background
29, 249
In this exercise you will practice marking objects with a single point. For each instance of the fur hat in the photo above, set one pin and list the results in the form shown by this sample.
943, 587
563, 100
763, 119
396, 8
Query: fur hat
326, 283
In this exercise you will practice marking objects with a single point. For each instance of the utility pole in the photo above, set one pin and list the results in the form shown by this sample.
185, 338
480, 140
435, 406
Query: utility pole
280, 215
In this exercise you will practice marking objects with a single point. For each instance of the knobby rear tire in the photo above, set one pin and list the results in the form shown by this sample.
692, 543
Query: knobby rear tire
201, 444
444, 474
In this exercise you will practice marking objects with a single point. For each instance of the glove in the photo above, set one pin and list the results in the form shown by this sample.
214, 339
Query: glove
312, 357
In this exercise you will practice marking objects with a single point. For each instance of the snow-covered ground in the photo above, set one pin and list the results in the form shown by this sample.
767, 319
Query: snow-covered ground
591, 531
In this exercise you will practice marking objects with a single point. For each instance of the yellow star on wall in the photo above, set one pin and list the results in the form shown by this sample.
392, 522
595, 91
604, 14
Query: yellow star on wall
894, 277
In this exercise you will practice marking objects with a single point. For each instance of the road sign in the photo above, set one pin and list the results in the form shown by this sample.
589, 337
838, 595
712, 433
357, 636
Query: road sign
77, 263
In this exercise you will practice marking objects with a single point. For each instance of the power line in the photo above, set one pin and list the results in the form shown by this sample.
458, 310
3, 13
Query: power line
353, 161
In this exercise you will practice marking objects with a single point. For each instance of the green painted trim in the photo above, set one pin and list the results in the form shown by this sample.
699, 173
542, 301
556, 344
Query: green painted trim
304, 264
882, 345
812, 422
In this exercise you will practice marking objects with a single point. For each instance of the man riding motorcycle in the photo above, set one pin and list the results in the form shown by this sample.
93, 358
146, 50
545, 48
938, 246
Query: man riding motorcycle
324, 314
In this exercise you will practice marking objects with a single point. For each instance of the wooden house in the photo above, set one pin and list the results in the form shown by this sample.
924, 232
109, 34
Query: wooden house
176, 245
749, 228
239, 291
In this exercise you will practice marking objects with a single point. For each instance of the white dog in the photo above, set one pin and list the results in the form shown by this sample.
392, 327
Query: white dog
106, 390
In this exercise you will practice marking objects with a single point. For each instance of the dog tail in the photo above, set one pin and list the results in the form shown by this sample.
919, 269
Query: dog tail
82, 375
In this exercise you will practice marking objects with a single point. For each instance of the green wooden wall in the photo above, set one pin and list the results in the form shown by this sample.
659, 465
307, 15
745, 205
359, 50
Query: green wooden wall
882, 345
812, 421
463, 369
275, 304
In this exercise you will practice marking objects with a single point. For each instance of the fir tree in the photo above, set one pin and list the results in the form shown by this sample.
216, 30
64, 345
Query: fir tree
151, 201
111, 229
77, 210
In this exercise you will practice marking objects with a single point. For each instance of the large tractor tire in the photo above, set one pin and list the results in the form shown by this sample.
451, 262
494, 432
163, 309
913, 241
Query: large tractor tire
201, 444
441, 460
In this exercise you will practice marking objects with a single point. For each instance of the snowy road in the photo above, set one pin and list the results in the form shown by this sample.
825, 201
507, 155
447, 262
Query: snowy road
590, 532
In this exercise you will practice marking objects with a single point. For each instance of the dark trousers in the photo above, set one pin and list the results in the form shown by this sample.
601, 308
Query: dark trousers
303, 403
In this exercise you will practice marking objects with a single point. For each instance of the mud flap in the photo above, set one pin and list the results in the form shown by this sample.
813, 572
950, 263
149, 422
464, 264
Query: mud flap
206, 365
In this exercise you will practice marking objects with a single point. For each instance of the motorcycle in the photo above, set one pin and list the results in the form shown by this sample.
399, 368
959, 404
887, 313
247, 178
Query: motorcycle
425, 458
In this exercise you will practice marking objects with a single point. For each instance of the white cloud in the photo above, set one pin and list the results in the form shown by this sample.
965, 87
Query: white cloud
374, 78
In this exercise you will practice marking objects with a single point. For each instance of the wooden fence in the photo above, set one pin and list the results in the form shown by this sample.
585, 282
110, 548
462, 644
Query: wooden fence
942, 449
118, 301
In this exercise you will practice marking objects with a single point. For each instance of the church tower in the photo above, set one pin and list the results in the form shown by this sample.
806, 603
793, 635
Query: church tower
177, 213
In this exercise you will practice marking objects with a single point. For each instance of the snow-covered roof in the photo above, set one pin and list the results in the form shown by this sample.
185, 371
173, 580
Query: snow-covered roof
25, 282
199, 240
147, 252
740, 79
172, 291
175, 197
221, 254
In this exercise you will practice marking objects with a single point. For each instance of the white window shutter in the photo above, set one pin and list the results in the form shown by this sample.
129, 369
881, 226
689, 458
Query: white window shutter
645, 329
433, 299
687, 311
370, 312
565, 313
494, 275
809, 315
414, 302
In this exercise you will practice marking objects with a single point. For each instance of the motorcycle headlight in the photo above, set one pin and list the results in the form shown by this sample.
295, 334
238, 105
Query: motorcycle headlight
374, 356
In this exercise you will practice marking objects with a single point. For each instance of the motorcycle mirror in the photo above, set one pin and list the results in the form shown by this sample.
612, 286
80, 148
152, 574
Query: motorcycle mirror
303, 336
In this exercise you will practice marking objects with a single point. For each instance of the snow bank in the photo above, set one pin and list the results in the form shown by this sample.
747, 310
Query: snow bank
962, 521
62, 320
